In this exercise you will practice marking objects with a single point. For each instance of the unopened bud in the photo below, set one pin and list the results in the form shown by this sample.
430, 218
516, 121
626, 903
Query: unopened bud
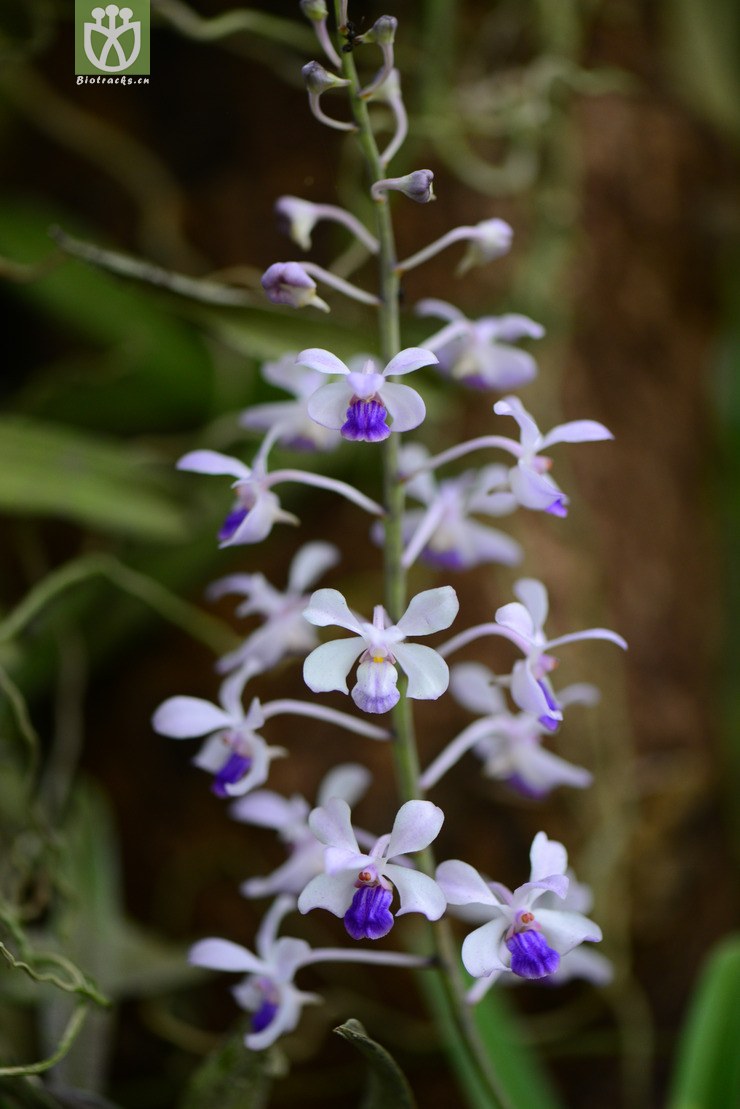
416, 186
383, 31
297, 218
318, 79
315, 10
288, 283
491, 239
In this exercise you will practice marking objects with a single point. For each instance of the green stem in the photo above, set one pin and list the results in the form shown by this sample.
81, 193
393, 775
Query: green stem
444, 987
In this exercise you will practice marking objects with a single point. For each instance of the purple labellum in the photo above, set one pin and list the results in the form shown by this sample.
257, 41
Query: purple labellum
369, 916
366, 422
235, 767
531, 957
376, 687
232, 523
264, 1016
558, 507
551, 722
517, 783
444, 560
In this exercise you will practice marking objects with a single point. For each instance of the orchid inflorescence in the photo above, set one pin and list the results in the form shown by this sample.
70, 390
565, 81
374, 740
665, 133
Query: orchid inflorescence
367, 880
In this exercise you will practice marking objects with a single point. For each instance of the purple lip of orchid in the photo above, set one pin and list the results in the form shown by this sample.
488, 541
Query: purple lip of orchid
559, 507
231, 523
235, 767
264, 1016
366, 421
451, 559
551, 722
531, 955
369, 916
523, 787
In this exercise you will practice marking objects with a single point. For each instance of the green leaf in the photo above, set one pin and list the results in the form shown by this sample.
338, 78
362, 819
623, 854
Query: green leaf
707, 1072
387, 1087
232, 1077
49, 470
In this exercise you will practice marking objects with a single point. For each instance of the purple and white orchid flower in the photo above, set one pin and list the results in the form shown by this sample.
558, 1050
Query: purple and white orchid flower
380, 645
520, 936
523, 623
234, 753
288, 816
478, 353
443, 534
358, 405
268, 991
295, 428
284, 631
257, 508
358, 886
509, 745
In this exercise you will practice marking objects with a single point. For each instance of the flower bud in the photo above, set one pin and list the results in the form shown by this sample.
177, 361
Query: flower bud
297, 218
491, 239
288, 283
383, 31
416, 186
318, 79
315, 10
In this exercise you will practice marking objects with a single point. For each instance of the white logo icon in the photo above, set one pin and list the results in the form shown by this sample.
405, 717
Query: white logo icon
106, 37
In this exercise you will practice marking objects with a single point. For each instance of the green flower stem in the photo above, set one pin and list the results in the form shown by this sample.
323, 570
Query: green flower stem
444, 987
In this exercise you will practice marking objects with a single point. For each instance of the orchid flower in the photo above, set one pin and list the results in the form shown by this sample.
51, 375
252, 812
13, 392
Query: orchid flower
295, 428
288, 816
284, 631
510, 746
443, 534
381, 644
523, 622
268, 991
478, 353
520, 936
358, 886
234, 752
299, 217
359, 404
257, 507
486, 241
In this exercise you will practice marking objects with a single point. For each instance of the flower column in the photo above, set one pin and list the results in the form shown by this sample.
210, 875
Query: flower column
446, 989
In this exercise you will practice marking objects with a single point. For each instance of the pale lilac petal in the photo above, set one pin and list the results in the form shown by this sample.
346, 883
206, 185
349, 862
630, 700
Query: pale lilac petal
333, 892
224, 955
426, 671
582, 962
579, 693
485, 544
547, 856
213, 754
311, 563
431, 306
259, 771
185, 717
473, 685
536, 491
577, 431
430, 611
292, 877
589, 633
480, 950
328, 405
518, 618
513, 326
286, 374
463, 885
349, 781
327, 667
533, 596
417, 823
328, 606
258, 522
332, 825
564, 930
322, 360
405, 406
418, 892
285, 1020
410, 359
542, 770
267, 932
528, 694
213, 462
261, 417
502, 367
267, 809
512, 406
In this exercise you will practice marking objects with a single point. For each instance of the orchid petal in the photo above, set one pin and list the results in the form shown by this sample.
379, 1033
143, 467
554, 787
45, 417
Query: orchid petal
213, 462
186, 717
328, 405
473, 685
417, 823
333, 892
267, 932
311, 563
267, 809
519, 619
328, 606
412, 358
547, 856
418, 892
427, 672
528, 693
405, 406
315, 358
224, 955
332, 825
577, 431
480, 949
512, 406
430, 611
565, 930
536, 491
349, 781
327, 667
463, 885
533, 596
513, 326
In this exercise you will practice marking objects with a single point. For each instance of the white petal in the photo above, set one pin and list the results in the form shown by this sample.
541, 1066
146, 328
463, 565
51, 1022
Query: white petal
322, 360
485, 544
512, 406
271, 921
577, 431
528, 694
513, 326
473, 685
547, 856
327, 667
213, 462
533, 596
518, 618
349, 781
417, 823
431, 306
564, 930
405, 406
412, 358
418, 892
328, 606
185, 717
430, 611
480, 950
258, 522
328, 405
310, 563
542, 770
332, 825
333, 892
224, 955
285, 1020
292, 877
535, 491
463, 885
504, 367
426, 671
267, 809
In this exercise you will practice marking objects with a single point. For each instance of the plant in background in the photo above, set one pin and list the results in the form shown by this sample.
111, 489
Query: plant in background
531, 932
